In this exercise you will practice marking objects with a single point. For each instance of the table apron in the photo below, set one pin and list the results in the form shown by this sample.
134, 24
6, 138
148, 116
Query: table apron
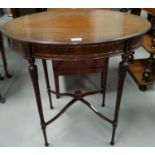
74, 52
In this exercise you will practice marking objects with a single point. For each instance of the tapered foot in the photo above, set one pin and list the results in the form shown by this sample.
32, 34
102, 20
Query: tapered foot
103, 105
58, 96
143, 88
51, 107
1, 78
113, 133
46, 144
103, 99
2, 100
8, 76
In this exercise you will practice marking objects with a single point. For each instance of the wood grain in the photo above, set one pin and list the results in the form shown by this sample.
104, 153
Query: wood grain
92, 26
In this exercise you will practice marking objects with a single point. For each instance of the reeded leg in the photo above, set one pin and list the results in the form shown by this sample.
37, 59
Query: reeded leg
34, 77
47, 82
104, 75
123, 66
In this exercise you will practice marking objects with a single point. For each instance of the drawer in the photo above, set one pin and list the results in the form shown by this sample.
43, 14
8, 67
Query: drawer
73, 65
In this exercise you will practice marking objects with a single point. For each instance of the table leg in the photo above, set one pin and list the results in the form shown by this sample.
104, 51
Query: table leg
123, 66
47, 82
104, 75
122, 73
3, 56
34, 77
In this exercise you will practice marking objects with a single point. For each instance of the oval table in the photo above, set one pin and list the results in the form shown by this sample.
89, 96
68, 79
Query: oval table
76, 35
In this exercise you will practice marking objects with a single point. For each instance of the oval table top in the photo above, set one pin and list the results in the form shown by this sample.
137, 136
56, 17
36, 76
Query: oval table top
75, 27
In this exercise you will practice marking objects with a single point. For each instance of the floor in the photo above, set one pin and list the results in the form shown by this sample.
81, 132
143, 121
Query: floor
79, 126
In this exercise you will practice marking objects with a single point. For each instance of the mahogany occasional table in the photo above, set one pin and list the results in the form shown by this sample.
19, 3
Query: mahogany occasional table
77, 35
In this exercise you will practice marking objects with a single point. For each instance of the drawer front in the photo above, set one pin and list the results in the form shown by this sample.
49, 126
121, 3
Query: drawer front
68, 65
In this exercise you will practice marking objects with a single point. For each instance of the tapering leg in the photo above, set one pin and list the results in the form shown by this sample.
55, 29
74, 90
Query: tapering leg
47, 82
57, 87
104, 75
4, 57
123, 66
122, 73
34, 76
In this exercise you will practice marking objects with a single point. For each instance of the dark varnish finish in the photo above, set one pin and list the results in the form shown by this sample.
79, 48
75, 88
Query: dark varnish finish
103, 34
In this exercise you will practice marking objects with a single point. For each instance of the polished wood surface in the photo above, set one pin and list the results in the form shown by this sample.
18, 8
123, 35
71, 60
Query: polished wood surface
77, 67
83, 51
76, 9
61, 27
